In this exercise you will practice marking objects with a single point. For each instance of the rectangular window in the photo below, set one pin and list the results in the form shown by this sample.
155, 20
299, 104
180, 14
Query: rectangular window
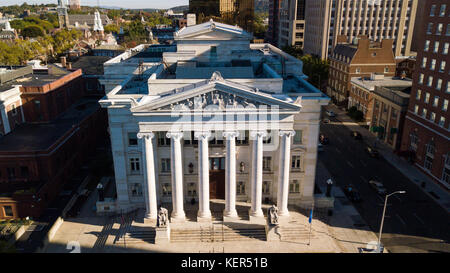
435, 101
433, 64
421, 76
439, 84
418, 94
428, 163
166, 189
442, 121
24, 171
430, 81
442, 67
191, 189
424, 62
296, 162
436, 47
165, 165
424, 113
134, 164
430, 28
13, 109
240, 189
427, 46
442, 10
445, 105
132, 139
267, 163
162, 139
294, 186
8, 211
439, 29
445, 49
416, 109
427, 97
136, 189
433, 116
298, 137
433, 10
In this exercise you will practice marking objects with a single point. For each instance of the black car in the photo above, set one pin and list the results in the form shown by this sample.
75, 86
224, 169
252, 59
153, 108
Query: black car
356, 135
323, 139
372, 152
352, 193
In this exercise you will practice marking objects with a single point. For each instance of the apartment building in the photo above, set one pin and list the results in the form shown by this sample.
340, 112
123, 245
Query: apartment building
361, 58
376, 19
426, 133
274, 21
292, 23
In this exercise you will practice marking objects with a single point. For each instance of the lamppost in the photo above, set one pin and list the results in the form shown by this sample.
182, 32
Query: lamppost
329, 185
382, 219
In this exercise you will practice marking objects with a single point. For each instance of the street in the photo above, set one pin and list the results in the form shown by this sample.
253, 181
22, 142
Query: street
413, 221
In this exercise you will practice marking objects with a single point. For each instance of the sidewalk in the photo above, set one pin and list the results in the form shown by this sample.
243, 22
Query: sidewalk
349, 230
408, 170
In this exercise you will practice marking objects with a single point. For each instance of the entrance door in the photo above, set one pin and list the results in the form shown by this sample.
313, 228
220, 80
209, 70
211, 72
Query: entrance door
217, 177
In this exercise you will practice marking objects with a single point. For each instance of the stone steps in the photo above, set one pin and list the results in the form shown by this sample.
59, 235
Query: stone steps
138, 236
295, 233
218, 234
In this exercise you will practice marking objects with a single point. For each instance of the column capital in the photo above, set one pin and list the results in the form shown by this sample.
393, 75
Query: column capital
203, 135
288, 133
255, 134
175, 135
146, 135
230, 134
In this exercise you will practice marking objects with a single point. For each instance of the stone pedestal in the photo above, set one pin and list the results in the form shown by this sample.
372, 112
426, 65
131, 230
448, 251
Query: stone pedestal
162, 235
228, 219
178, 219
258, 219
204, 219
150, 221
273, 233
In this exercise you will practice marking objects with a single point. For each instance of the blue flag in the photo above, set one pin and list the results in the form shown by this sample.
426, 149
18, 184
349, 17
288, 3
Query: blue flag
310, 216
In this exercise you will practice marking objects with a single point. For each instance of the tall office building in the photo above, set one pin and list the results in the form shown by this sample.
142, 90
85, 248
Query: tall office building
377, 19
74, 4
426, 132
233, 12
274, 21
292, 23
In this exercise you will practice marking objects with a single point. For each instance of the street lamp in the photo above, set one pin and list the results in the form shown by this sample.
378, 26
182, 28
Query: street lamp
382, 219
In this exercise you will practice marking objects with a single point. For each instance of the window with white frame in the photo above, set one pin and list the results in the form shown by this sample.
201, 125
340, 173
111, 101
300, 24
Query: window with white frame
433, 64
439, 84
445, 48
427, 45
132, 139
136, 189
424, 62
430, 81
298, 137
240, 189
294, 186
442, 121
424, 113
445, 105
432, 116
442, 10
414, 140
442, 66
418, 94
165, 165
296, 162
436, 101
421, 77
436, 47
416, 109
135, 164
427, 97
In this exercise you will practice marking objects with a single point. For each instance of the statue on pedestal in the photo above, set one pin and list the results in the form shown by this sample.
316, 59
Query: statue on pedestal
163, 217
272, 216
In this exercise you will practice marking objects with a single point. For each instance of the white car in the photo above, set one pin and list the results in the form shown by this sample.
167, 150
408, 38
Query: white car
330, 113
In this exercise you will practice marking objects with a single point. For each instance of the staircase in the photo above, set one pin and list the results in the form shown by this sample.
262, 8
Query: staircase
137, 235
297, 233
217, 232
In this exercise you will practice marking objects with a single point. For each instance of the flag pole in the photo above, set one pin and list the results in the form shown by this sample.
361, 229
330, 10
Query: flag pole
310, 222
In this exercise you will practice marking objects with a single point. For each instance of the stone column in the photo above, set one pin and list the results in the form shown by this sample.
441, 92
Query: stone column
284, 168
256, 213
150, 181
230, 176
204, 213
176, 167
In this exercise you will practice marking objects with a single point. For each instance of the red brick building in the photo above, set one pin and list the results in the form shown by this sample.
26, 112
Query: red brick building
426, 132
39, 156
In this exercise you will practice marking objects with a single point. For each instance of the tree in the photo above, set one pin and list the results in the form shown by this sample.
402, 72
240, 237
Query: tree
32, 31
111, 28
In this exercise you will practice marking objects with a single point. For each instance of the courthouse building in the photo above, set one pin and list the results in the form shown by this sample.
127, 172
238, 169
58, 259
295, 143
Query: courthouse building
217, 118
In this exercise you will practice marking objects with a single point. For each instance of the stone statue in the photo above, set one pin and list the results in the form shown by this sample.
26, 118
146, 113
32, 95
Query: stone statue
163, 217
273, 215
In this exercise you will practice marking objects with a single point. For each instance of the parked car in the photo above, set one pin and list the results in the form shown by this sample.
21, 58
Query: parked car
330, 113
326, 121
320, 147
378, 187
352, 193
323, 139
356, 135
372, 152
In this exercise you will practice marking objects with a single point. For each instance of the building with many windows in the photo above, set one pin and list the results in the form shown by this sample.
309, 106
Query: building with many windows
219, 118
427, 124
376, 19
291, 23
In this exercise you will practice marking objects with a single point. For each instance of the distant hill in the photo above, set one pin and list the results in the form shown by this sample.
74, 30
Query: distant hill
180, 9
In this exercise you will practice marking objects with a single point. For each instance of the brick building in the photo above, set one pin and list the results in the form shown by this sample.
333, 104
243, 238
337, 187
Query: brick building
426, 132
361, 58
59, 126
405, 67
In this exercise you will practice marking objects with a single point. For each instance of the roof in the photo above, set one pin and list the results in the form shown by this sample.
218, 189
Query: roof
208, 27
87, 18
385, 82
186, 72
91, 65
109, 47
346, 50
30, 137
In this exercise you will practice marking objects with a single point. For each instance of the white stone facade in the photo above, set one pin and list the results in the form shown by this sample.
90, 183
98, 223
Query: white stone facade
264, 128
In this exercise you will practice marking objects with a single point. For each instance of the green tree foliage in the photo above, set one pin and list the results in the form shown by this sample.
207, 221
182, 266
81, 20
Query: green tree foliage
111, 28
317, 70
32, 31
32, 21
259, 29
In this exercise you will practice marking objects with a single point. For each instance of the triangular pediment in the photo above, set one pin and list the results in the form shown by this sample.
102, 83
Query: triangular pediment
212, 31
215, 95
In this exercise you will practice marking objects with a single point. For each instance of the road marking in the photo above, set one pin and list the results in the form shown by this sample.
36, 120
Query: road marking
363, 178
350, 164
401, 220
418, 218
363, 163
339, 151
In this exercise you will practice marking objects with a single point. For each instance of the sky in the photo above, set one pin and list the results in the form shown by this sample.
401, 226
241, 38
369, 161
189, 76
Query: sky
131, 4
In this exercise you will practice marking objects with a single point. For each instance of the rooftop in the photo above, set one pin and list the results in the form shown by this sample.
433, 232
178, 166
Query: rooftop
31, 137
392, 82
91, 65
